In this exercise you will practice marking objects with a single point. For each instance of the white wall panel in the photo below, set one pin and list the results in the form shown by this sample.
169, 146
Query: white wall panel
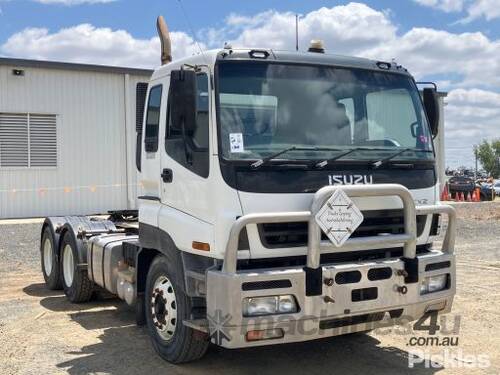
94, 172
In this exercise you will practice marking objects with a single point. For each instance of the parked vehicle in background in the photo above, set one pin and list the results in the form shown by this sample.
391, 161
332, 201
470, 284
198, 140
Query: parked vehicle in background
460, 184
496, 187
487, 193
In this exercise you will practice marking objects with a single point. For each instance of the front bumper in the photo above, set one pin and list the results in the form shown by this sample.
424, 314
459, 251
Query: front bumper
333, 299
316, 317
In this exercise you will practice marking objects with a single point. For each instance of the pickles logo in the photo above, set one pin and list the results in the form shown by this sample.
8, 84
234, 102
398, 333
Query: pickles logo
350, 179
218, 327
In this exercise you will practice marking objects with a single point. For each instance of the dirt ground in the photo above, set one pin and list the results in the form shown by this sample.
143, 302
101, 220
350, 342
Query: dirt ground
42, 333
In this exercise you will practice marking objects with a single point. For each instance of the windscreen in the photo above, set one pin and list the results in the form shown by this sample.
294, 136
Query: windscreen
267, 107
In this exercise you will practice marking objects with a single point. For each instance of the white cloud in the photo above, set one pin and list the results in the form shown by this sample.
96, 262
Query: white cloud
471, 57
88, 44
350, 28
73, 2
470, 116
489, 9
475, 9
356, 29
444, 5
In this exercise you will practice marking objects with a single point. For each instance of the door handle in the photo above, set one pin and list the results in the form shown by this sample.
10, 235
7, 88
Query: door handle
167, 175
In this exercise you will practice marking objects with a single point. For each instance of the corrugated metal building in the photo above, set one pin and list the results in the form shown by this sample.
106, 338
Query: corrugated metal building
67, 135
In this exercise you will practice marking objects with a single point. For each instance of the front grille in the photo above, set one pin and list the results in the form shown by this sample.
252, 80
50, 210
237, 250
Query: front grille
328, 258
270, 284
377, 222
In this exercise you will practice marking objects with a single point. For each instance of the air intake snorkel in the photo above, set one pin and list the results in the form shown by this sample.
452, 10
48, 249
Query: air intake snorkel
166, 44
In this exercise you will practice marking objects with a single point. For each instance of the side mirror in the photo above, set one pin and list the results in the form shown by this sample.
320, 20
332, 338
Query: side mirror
431, 104
182, 101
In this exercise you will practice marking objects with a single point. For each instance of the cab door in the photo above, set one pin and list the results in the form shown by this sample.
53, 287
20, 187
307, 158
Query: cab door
185, 160
155, 112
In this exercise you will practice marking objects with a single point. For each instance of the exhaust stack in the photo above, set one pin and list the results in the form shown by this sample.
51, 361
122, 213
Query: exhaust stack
166, 44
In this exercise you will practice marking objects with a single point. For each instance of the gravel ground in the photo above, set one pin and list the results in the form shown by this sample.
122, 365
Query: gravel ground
19, 245
41, 333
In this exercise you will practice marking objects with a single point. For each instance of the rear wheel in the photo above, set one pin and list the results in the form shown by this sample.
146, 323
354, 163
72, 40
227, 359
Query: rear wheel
166, 308
76, 284
49, 260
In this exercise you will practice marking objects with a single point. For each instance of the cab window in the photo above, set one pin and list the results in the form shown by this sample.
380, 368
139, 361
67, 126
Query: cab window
153, 119
192, 150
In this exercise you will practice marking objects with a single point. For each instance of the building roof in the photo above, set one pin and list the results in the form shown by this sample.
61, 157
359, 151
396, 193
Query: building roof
26, 63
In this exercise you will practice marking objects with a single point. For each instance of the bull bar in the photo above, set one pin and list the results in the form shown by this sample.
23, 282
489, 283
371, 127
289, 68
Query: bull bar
224, 286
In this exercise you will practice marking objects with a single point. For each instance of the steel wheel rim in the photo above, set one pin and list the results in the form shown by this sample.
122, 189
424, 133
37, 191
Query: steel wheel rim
164, 308
68, 265
47, 256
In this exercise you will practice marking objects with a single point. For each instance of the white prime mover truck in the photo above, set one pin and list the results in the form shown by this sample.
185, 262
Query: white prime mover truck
286, 196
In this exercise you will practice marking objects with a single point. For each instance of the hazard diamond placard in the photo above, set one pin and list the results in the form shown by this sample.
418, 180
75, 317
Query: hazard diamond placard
339, 217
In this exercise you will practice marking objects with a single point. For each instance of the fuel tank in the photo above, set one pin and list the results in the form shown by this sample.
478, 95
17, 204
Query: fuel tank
104, 253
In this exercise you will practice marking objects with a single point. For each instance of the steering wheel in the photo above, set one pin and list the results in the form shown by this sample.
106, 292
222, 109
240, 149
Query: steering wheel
393, 141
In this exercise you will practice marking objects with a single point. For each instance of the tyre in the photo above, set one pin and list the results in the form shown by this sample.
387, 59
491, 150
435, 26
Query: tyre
166, 308
76, 284
50, 260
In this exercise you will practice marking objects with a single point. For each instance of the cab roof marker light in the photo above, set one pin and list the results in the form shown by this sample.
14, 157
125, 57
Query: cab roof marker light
384, 65
258, 54
316, 46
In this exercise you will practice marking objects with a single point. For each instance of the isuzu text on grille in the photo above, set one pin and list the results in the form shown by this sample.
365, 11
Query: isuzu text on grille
352, 179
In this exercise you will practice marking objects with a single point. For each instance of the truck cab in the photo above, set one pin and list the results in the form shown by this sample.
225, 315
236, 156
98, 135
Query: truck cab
239, 145
342, 115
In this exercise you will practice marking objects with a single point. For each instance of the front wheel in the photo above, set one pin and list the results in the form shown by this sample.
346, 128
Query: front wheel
166, 308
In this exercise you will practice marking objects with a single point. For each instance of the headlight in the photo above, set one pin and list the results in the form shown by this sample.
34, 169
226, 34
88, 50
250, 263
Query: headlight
432, 284
258, 306
286, 304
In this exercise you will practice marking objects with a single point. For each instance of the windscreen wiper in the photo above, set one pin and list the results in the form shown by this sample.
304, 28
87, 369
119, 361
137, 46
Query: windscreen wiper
267, 159
383, 161
325, 162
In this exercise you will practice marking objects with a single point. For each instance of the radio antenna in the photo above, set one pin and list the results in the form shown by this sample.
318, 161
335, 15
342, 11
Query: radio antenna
188, 22
296, 32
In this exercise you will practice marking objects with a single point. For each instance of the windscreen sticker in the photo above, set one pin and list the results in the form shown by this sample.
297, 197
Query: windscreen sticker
236, 142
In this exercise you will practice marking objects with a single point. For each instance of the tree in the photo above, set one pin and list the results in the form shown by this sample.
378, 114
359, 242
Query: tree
489, 156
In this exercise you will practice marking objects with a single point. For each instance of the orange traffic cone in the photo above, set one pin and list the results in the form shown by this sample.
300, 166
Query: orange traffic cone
462, 197
444, 194
478, 195
469, 198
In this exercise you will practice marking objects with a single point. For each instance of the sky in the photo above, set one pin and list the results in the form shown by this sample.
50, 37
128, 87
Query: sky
455, 43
